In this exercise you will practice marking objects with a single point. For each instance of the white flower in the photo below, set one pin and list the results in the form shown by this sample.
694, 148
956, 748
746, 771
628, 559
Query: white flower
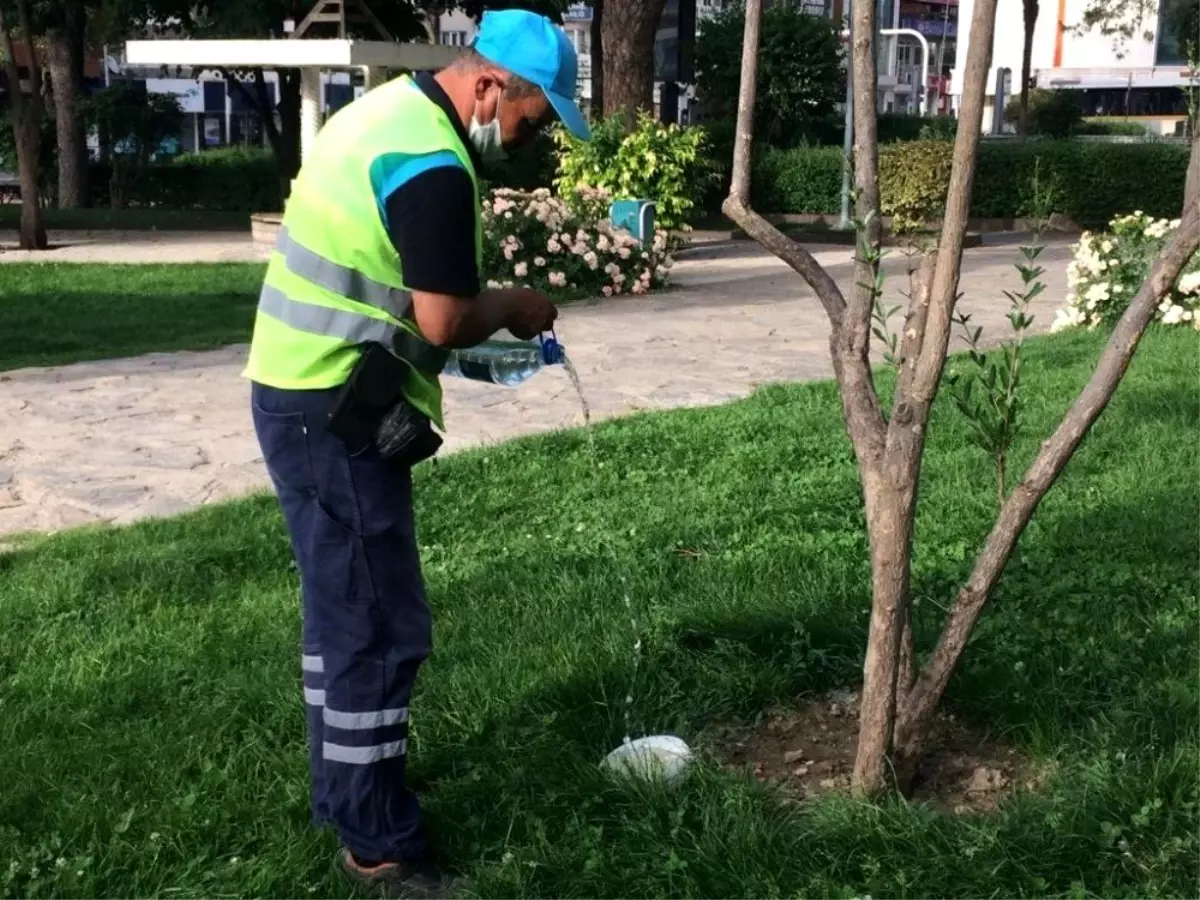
553, 246
1067, 318
1190, 283
493, 284
539, 261
602, 243
521, 269
558, 279
623, 252
592, 260
1173, 316
1097, 293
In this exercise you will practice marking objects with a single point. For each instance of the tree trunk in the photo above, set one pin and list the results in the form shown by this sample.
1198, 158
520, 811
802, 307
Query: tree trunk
627, 32
289, 128
1191, 187
1031, 15
284, 135
29, 145
597, 29
26, 112
65, 48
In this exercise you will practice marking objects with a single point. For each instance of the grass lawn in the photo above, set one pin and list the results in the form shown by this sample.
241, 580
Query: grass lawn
57, 313
152, 725
129, 219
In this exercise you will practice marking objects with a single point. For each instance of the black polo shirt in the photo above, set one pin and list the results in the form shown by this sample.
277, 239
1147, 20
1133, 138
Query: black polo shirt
431, 217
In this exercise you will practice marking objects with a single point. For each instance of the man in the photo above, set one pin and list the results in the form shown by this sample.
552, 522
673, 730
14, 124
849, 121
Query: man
375, 275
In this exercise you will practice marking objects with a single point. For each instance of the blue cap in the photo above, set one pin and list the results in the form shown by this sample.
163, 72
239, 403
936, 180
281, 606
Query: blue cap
534, 48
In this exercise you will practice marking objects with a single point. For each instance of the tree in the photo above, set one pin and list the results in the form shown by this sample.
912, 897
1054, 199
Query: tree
899, 698
131, 123
26, 112
627, 34
65, 44
800, 75
1030, 8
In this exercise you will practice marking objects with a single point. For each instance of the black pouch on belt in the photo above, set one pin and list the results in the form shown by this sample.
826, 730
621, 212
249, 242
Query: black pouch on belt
371, 408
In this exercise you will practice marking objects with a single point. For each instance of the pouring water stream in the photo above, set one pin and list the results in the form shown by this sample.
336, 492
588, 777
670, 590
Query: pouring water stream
661, 754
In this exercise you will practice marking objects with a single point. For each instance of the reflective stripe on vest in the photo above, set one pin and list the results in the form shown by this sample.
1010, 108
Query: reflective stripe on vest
349, 326
353, 327
341, 280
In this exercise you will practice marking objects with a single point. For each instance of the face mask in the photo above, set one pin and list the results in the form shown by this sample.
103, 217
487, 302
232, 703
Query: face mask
487, 138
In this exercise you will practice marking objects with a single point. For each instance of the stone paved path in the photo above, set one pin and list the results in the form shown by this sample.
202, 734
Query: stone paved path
116, 441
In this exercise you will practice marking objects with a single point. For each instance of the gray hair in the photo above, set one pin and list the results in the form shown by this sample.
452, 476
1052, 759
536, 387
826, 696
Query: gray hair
517, 88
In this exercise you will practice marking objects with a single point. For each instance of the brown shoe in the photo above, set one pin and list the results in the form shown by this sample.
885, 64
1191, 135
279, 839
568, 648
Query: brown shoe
408, 880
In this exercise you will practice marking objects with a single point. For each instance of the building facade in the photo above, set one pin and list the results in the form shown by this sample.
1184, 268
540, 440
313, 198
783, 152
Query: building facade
1142, 78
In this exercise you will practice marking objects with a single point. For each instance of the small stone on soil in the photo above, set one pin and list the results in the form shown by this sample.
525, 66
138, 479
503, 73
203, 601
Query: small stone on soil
793, 756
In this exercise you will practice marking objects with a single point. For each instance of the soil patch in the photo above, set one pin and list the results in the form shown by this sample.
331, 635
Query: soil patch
809, 752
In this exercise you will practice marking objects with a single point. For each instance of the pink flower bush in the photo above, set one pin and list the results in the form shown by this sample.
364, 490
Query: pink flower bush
540, 241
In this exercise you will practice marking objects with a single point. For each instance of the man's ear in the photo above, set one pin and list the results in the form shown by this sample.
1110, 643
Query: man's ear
484, 83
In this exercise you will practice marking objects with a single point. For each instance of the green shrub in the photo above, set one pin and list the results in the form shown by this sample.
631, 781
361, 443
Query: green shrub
1103, 127
232, 179
894, 127
801, 79
664, 163
913, 180
1055, 114
938, 128
532, 168
803, 180
1095, 182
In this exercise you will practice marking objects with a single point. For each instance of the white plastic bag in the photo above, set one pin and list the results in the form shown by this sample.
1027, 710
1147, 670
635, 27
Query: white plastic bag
656, 756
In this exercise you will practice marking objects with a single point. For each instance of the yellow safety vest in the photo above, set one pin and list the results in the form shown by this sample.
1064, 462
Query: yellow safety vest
334, 281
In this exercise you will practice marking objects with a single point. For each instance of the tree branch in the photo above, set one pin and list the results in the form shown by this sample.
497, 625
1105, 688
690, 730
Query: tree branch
1055, 453
944, 290
920, 284
737, 205
852, 339
266, 111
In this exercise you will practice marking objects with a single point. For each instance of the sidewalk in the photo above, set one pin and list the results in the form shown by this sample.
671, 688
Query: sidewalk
120, 440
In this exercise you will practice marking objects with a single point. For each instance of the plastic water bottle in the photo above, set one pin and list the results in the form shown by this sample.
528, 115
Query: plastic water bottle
506, 363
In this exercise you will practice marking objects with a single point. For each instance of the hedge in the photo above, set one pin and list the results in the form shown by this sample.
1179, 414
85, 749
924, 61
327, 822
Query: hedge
239, 179
1094, 181
227, 180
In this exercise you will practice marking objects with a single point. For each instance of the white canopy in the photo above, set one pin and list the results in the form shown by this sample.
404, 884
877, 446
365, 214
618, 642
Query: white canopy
285, 53
308, 55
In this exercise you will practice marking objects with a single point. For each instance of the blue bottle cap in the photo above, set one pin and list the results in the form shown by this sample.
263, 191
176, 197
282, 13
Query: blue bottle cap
552, 351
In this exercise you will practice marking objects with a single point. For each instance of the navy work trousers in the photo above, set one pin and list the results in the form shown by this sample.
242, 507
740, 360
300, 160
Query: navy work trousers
367, 626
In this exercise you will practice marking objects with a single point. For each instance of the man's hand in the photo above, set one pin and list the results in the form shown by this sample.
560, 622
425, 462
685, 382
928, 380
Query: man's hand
530, 313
